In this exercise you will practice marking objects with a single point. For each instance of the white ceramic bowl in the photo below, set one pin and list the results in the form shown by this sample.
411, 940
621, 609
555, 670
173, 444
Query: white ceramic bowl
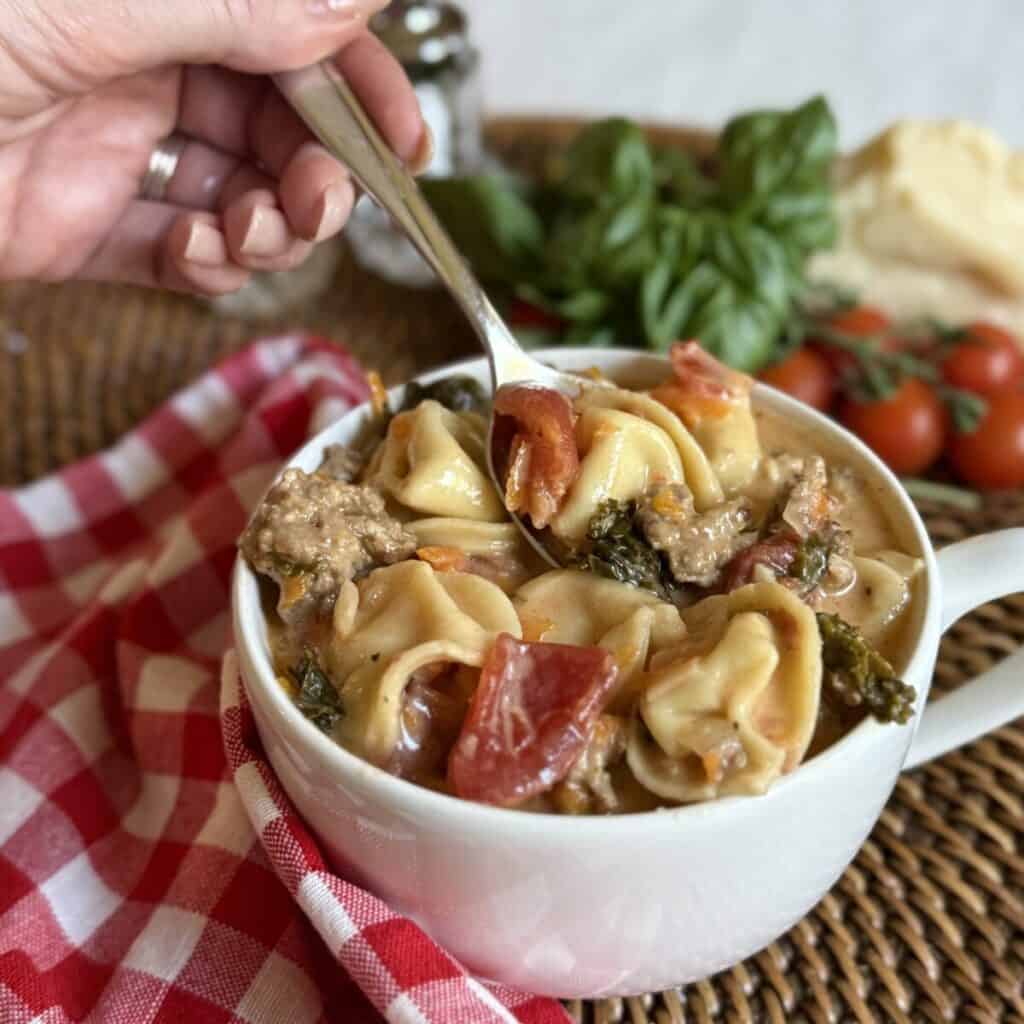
624, 904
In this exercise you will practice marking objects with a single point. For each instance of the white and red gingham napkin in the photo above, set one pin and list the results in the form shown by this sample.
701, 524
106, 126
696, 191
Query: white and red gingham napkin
151, 868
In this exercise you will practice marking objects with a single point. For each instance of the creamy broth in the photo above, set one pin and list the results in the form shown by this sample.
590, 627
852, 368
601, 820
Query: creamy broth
718, 559
863, 513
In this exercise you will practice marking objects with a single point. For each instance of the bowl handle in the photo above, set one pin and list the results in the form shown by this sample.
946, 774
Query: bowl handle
973, 572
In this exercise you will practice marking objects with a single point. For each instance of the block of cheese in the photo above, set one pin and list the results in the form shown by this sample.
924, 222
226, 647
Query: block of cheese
932, 223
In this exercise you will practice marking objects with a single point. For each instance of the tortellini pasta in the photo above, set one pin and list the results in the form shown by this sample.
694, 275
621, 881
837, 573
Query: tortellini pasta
469, 535
397, 620
433, 461
497, 548
568, 606
736, 708
728, 437
880, 592
627, 442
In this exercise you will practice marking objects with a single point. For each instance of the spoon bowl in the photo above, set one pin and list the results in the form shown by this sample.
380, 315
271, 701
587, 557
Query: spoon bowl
322, 98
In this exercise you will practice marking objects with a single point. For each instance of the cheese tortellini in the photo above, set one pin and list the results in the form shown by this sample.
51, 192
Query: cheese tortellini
627, 442
880, 592
727, 435
496, 549
433, 461
735, 708
396, 621
567, 606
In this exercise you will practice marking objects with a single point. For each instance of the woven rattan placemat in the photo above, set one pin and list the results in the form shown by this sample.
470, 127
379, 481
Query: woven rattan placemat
926, 925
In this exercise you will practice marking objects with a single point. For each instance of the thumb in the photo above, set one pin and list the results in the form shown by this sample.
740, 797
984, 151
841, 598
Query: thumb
247, 35
266, 35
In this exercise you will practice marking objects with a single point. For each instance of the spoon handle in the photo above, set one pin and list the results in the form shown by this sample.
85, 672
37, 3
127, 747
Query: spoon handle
323, 99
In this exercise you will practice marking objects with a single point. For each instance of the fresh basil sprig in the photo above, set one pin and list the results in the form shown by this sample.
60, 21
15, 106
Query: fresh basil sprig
634, 244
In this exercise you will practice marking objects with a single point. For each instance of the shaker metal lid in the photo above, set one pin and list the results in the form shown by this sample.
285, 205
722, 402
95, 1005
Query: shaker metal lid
422, 31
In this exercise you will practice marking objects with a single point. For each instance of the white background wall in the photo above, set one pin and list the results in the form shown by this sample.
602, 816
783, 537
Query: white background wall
702, 60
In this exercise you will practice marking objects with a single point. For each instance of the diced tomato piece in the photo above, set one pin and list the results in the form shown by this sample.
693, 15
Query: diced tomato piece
531, 716
535, 449
444, 559
700, 373
702, 387
776, 553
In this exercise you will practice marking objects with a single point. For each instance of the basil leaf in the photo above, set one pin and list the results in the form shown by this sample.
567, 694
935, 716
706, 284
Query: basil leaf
680, 179
740, 334
494, 228
585, 305
635, 244
676, 318
589, 335
628, 220
764, 153
653, 291
609, 157
623, 269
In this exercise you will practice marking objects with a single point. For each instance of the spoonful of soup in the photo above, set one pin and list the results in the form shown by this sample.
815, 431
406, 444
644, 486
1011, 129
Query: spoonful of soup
531, 451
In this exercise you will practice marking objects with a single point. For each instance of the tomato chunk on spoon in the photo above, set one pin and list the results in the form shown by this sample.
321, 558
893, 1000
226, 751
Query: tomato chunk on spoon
534, 432
531, 716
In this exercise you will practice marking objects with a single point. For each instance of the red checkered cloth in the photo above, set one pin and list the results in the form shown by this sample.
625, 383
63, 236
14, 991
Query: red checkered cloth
151, 868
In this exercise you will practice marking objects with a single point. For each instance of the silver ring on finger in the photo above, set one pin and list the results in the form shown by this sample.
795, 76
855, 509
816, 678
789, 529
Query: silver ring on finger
163, 162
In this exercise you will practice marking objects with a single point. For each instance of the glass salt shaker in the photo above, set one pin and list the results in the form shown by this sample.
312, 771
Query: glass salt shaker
430, 39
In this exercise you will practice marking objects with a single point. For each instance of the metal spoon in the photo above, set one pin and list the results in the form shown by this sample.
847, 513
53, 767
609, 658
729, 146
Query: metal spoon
324, 101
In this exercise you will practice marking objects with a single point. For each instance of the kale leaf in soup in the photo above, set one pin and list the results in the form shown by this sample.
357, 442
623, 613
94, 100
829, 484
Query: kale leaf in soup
316, 698
458, 393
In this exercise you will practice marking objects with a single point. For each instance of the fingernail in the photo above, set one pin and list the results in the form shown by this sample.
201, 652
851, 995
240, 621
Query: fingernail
424, 154
351, 9
333, 210
266, 234
205, 245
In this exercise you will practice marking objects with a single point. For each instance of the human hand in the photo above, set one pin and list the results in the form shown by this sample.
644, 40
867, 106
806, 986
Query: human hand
88, 89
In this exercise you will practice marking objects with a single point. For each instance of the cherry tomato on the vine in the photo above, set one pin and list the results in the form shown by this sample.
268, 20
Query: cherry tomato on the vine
805, 374
991, 457
858, 322
525, 314
987, 361
906, 430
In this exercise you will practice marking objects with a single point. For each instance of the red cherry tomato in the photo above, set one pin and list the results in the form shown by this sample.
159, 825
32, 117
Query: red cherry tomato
991, 457
526, 314
906, 430
859, 322
989, 360
806, 374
